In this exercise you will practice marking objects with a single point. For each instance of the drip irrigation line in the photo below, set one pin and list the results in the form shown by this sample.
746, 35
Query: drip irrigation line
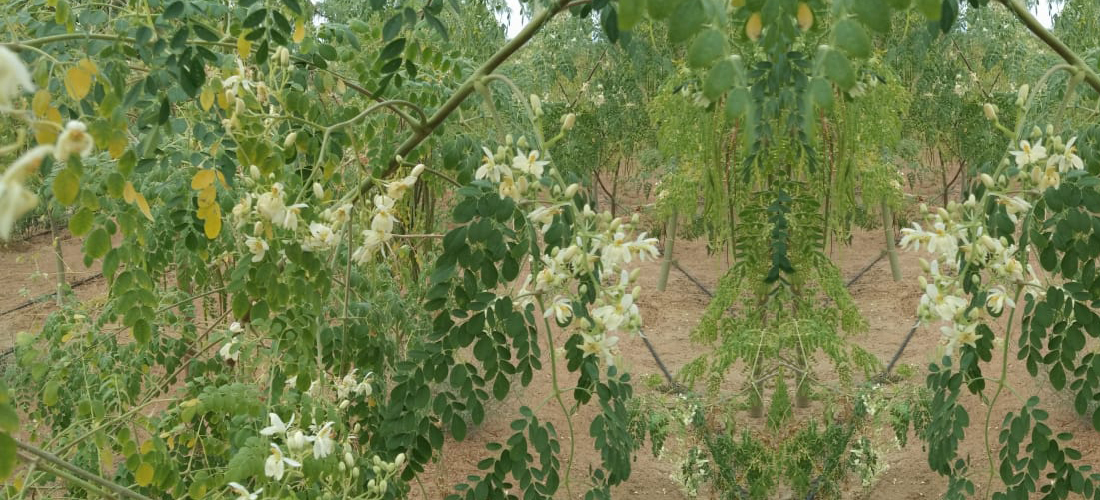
660, 364
48, 296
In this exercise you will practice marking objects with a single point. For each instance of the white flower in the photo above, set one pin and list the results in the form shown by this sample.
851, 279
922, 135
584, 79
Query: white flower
297, 440
1046, 178
1068, 160
241, 211
257, 246
944, 306
599, 345
616, 251
242, 492
384, 218
544, 216
997, 300
956, 334
321, 237
512, 188
13, 76
397, 189
235, 327
561, 309
323, 444
644, 248
73, 140
270, 205
337, 215
229, 352
16, 200
489, 168
614, 316
277, 426
1029, 154
1014, 206
530, 164
289, 220
275, 465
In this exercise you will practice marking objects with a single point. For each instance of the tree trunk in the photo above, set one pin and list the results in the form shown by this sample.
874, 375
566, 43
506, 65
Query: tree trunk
670, 241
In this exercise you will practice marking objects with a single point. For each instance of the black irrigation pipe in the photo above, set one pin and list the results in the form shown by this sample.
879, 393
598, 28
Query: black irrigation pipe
48, 296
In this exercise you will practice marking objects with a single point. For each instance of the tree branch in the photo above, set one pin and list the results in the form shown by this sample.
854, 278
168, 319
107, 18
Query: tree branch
1052, 41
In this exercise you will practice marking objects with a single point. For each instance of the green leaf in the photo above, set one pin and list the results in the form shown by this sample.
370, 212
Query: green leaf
822, 93
49, 393
66, 186
852, 38
737, 103
686, 21
719, 79
839, 70
873, 13
7, 456
97, 244
81, 222
660, 9
630, 12
458, 428
707, 47
931, 9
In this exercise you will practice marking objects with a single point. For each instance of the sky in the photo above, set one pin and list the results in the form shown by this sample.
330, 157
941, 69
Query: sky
514, 21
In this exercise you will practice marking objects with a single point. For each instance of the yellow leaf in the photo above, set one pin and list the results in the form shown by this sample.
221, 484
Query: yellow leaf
88, 66
244, 47
223, 101
144, 475
78, 81
208, 194
212, 226
41, 103
299, 31
45, 132
116, 146
106, 458
171, 441
221, 178
143, 206
146, 447
128, 192
206, 98
202, 179
207, 211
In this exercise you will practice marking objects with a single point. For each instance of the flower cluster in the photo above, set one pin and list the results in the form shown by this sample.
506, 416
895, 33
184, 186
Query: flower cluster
602, 246
384, 217
957, 238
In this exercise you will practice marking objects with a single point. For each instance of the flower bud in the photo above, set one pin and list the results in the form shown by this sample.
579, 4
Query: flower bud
635, 218
297, 441
636, 292
344, 404
355, 472
261, 92
1036, 132
318, 191
418, 169
400, 460
987, 180
536, 106
522, 142
1050, 129
284, 57
254, 172
231, 95
1021, 96
343, 468
370, 484
568, 121
240, 105
348, 459
291, 138
509, 140
634, 276
571, 191
383, 485
990, 112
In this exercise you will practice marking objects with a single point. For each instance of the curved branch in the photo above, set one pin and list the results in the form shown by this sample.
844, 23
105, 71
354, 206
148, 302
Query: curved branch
1052, 41
465, 90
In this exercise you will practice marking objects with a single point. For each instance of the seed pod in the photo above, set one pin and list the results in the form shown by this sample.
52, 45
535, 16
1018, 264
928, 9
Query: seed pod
754, 26
805, 16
